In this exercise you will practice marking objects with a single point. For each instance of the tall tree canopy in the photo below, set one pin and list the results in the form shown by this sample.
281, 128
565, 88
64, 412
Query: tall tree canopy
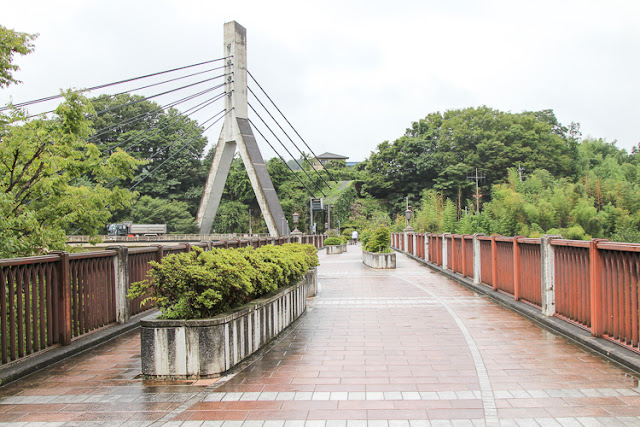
170, 142
45, 170
11, 43
441, 150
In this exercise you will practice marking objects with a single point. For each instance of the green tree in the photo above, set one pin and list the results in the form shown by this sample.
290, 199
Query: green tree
232, 217
44, 165
170, 142
11, 43
437, 152
43, 186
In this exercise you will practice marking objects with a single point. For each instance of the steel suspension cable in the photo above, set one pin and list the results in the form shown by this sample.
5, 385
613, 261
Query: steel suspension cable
52, 97
281, 158
180, 117
289, 123
169, 158
166, 81
107, 129
177, 152
160, 94
286, 149
143, 98
287, 135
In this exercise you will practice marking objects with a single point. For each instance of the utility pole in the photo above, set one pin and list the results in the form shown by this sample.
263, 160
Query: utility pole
477, 177
520, 170
250, 231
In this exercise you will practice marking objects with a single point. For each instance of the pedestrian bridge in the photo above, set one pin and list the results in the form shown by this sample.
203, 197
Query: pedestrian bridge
404, 347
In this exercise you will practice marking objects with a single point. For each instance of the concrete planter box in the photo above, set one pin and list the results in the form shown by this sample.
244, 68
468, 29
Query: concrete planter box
379, 260
208, 347
336, 249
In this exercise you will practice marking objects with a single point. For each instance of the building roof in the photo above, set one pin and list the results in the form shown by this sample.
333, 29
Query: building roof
331, 156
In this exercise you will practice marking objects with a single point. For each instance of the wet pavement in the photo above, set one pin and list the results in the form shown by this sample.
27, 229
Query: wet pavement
392, 348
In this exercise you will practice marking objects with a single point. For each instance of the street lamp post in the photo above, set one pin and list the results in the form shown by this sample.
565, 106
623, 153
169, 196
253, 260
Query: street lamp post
296, 218
407, 215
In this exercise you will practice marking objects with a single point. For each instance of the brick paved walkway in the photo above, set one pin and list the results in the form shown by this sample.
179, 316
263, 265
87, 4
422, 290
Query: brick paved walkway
403, 348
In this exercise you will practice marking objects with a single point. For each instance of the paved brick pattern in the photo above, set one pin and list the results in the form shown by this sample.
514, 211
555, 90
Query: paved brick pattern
403, 348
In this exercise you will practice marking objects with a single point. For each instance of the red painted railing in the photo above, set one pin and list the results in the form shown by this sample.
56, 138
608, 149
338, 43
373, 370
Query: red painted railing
596, 283
50, 300
530, 278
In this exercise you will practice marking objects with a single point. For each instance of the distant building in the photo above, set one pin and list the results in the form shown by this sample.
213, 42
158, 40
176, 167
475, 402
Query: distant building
325, 158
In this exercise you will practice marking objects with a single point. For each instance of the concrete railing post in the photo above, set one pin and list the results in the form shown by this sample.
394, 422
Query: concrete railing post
477, 260
121, 269
548, 274
444, 250
415, 244
426, 248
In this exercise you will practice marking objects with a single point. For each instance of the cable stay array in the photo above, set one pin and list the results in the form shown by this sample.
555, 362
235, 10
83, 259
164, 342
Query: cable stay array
180, 149
186, 113
288, 122
183, 92
286, 149
102, 86
276, 129
195, 92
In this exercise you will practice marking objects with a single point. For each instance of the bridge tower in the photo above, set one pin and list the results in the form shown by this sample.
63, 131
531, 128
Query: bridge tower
236, 132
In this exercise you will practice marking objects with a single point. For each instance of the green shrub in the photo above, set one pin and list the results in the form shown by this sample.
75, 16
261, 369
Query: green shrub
330, 241
199, 284
379, 241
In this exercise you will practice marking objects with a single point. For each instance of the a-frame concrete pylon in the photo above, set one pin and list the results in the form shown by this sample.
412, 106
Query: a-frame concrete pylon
236, 132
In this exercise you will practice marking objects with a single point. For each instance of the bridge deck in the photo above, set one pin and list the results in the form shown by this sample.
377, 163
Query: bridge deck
395, 348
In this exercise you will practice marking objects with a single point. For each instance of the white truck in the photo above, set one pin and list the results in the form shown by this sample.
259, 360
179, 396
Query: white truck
127, 228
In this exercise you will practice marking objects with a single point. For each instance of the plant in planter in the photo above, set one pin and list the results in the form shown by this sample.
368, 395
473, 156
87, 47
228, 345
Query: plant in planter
378, 241
221, 306
331, 241
199, 284
377, 251
334, 245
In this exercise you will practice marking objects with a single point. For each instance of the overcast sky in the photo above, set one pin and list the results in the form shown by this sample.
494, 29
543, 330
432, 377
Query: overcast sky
351, 74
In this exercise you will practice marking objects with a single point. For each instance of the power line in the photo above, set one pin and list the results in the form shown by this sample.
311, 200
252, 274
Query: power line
289, 123
49, 98
286, 149
287, 135
283, 160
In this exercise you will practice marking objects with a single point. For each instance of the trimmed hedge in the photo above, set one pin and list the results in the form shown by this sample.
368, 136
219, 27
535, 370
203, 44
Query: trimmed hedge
199, 284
